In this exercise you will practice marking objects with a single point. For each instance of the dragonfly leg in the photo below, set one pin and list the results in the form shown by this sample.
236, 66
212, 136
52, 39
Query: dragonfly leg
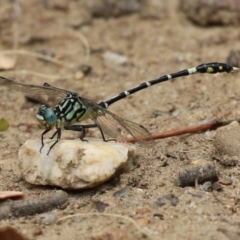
58, 132
82, 129
52, 137
83, 134
103, 137
45, 131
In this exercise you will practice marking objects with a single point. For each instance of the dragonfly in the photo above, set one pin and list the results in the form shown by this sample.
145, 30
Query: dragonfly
74, 108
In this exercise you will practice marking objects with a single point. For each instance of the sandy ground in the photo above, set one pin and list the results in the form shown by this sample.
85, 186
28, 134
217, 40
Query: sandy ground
154, 47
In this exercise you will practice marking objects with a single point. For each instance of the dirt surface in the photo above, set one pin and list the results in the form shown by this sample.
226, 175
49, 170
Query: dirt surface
154, 44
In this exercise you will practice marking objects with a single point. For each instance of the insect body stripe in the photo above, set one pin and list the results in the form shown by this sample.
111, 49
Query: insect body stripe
106, 105
61, 106
192, 70
71, 112
64, 107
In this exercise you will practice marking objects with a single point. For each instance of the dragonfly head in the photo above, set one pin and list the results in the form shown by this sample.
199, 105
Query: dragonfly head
46, 116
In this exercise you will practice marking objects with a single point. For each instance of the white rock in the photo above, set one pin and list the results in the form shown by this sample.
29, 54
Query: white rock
73, 164
112, 57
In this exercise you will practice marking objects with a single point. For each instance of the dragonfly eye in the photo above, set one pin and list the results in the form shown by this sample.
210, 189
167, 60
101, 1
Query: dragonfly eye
50, 116
46, 115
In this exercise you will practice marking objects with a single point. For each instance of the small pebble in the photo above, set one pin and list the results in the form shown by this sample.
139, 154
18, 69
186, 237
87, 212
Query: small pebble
112, 57
47, 218
207, 186
162, 200
216, 186
101, 206
159, 215
122, 192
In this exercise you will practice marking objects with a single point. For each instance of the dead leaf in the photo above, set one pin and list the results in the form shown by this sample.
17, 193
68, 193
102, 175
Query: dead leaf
7, 233
6, 62
10, 194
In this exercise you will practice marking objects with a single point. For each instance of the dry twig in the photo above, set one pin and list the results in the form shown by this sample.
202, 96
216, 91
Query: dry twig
32, 206
212, 125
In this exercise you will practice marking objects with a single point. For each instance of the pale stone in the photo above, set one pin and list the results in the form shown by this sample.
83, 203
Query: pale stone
112, 57
226, 142
73, 164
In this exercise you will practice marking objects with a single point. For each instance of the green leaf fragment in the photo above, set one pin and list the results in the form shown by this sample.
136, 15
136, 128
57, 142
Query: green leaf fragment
3, 124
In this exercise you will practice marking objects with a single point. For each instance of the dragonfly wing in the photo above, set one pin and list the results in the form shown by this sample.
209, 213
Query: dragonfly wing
116, 127
113, 125
35, 91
